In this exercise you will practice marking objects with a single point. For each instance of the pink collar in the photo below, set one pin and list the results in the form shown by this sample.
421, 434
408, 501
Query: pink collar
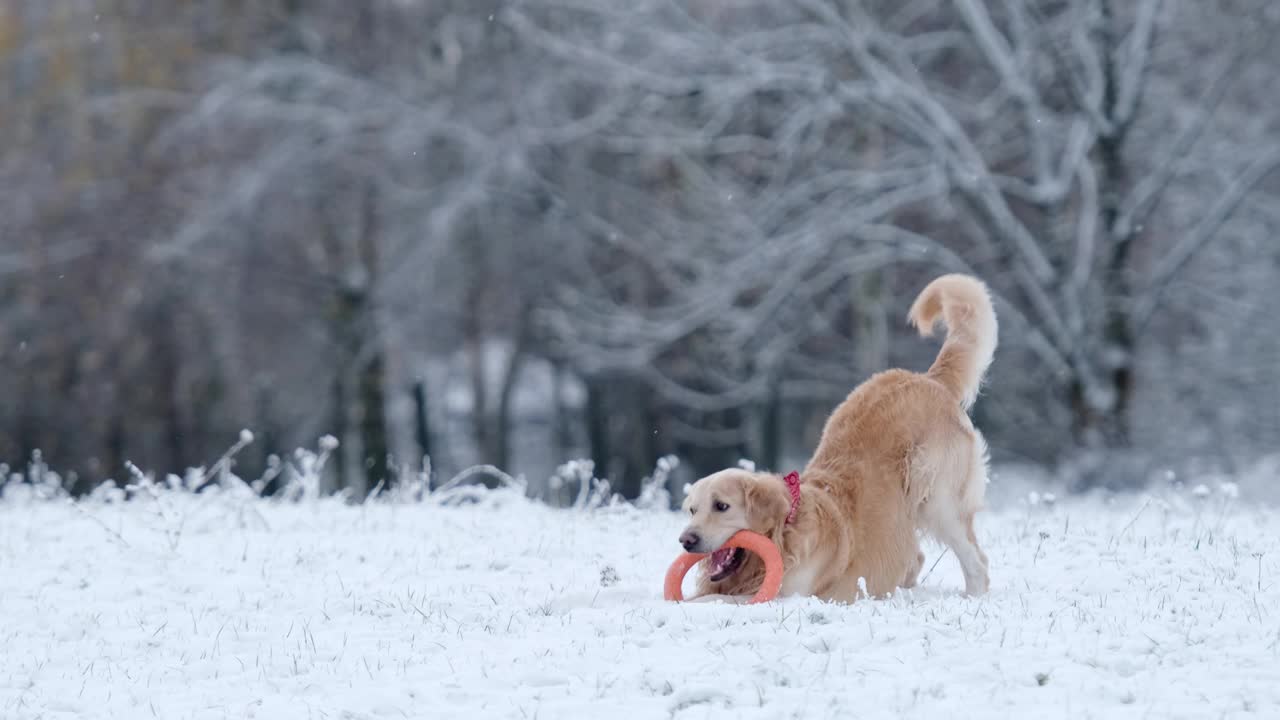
793, 486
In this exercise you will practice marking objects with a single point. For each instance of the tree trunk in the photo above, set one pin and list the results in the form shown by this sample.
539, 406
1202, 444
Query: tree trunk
269, 437
771, 427
598, 425
358, 405
422, 423
482, 427
639, 440
117, 454
167, 374
341, 399
373, 421
871, 327
1102, 423
502, 420
561, 431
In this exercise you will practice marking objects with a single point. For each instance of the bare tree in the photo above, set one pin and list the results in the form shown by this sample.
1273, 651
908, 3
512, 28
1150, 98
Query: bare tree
1026, 142
370, 186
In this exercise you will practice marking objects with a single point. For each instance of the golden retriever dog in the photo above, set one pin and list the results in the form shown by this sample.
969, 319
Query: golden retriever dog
899, 455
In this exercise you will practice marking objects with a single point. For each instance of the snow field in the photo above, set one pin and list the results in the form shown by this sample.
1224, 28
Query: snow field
243, 608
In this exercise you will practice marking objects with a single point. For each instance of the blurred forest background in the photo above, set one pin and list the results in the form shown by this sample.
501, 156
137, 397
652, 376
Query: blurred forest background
527, 231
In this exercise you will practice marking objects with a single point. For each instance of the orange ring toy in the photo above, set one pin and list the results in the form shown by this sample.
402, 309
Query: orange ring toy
752, 542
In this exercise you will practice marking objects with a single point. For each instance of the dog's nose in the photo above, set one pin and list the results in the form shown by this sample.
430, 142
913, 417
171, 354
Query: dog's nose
690, 540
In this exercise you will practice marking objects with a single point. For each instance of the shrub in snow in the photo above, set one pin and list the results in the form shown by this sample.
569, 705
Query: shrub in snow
593, 492
653, 490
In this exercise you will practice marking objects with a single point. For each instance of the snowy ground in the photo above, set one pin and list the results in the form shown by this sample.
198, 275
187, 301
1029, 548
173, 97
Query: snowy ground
218, 608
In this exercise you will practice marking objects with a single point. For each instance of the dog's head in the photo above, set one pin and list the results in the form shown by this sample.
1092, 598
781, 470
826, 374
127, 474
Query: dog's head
721, 504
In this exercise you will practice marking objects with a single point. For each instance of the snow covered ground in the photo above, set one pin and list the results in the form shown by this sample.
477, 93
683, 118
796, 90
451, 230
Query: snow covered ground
222, 607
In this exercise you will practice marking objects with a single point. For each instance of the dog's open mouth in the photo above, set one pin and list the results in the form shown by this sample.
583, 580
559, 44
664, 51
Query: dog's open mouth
725, 562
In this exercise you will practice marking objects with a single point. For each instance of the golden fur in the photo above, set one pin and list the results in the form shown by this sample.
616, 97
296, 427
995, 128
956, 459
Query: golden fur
898, 456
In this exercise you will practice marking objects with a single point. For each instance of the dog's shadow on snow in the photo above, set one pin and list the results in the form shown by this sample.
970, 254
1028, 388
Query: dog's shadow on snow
626, 598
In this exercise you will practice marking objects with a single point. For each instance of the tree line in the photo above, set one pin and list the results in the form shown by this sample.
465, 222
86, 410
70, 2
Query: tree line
520, 232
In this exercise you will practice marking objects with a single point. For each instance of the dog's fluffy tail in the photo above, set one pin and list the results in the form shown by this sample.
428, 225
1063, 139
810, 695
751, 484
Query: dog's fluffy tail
964, 304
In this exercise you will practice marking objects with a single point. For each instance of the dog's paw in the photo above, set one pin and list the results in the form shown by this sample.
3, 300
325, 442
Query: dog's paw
977, 585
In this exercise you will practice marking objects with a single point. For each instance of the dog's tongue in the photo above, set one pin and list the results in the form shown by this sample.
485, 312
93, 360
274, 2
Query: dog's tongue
721, 558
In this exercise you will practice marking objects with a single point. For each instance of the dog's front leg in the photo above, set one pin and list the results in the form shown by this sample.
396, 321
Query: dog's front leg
798, 581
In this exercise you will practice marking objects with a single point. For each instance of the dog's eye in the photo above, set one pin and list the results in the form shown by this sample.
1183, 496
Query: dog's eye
693, 511
721, 506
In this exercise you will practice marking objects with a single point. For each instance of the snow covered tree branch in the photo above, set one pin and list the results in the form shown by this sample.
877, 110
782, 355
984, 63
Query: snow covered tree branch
799, 128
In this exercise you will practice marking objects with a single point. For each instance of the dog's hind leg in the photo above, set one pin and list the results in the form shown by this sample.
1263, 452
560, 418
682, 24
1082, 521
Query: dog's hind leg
957, 495
957, 533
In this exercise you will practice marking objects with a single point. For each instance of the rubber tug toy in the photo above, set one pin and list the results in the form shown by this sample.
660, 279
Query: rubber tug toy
752, 542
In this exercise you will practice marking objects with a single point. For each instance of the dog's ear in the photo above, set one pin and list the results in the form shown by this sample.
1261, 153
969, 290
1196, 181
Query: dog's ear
767, 503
